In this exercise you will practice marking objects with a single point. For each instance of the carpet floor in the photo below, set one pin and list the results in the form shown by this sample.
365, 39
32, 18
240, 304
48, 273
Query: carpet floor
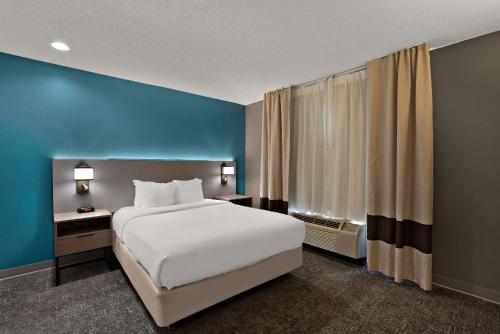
325, 295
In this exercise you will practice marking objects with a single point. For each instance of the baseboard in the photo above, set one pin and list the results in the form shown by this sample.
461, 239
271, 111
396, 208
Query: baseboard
67, 260
466, 288
28, 268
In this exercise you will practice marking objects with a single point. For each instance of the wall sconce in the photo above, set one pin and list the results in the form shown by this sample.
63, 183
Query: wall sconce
83, 173
225, 171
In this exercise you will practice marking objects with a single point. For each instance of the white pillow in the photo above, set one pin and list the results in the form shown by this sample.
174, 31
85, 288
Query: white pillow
188, 191
152, 194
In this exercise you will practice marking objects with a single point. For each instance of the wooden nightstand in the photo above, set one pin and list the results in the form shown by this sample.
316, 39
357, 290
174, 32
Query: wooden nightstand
80, 232
236, 199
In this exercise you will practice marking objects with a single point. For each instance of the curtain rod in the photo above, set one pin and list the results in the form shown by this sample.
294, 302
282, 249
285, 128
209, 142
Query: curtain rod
354, 69
309, 83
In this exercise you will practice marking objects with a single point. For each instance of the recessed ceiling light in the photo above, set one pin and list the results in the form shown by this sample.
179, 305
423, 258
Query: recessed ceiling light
59, 46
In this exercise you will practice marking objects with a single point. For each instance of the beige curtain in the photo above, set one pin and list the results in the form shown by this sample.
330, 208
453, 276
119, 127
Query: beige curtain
328, 147
399, 166
275, 151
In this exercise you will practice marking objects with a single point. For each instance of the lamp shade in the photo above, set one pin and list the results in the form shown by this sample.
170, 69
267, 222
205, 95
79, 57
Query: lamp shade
228, 170
84, 173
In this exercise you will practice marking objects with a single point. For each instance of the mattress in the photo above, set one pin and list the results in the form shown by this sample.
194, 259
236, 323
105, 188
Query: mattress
182, 244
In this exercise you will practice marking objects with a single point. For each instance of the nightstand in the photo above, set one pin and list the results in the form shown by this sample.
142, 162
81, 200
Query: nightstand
80, 232
236, 199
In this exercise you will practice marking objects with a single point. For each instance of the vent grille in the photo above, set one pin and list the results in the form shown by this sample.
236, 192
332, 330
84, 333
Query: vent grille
336, 235
321, 239
318, 220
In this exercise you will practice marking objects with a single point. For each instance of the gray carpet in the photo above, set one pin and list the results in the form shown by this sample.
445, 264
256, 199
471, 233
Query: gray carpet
326, 295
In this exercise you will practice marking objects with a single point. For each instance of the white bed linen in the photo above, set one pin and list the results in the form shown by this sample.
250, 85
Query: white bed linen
185, 243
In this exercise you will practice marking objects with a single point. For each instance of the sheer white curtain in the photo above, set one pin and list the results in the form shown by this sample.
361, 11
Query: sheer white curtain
328, 150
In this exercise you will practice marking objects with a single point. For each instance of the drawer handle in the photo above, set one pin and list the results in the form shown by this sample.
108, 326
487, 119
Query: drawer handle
85, 235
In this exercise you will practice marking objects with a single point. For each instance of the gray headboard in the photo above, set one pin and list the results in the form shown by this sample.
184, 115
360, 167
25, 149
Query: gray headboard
112, 187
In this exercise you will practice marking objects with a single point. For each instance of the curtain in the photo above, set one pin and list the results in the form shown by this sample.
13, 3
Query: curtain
328, 147
275, 151
399, 166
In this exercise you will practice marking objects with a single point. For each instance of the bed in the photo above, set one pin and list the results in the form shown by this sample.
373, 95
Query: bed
192, 253
183, 258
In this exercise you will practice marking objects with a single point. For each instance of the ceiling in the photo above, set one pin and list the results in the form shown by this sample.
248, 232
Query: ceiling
233, 50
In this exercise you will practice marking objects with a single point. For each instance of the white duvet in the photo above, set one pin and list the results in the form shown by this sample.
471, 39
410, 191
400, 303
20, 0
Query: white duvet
185, 243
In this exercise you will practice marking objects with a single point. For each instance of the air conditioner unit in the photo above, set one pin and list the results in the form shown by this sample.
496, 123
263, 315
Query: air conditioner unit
339, 236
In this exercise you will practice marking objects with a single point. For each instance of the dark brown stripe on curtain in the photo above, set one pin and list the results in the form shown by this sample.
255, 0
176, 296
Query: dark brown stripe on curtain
276, 205
400, 233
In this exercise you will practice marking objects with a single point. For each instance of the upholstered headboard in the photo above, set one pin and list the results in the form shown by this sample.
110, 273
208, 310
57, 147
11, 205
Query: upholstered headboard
112, 187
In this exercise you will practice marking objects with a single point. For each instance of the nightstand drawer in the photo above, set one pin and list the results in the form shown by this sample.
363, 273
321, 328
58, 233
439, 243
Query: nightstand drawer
243, 201
236, 199
83, 242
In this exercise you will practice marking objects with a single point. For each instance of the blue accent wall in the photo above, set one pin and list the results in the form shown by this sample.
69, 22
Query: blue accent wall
49, 111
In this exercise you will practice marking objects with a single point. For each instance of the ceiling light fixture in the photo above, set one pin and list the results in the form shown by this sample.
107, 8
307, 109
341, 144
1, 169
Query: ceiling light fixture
59, 46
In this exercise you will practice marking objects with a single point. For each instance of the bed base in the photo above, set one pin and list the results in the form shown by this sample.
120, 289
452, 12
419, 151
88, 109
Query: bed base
169, 306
